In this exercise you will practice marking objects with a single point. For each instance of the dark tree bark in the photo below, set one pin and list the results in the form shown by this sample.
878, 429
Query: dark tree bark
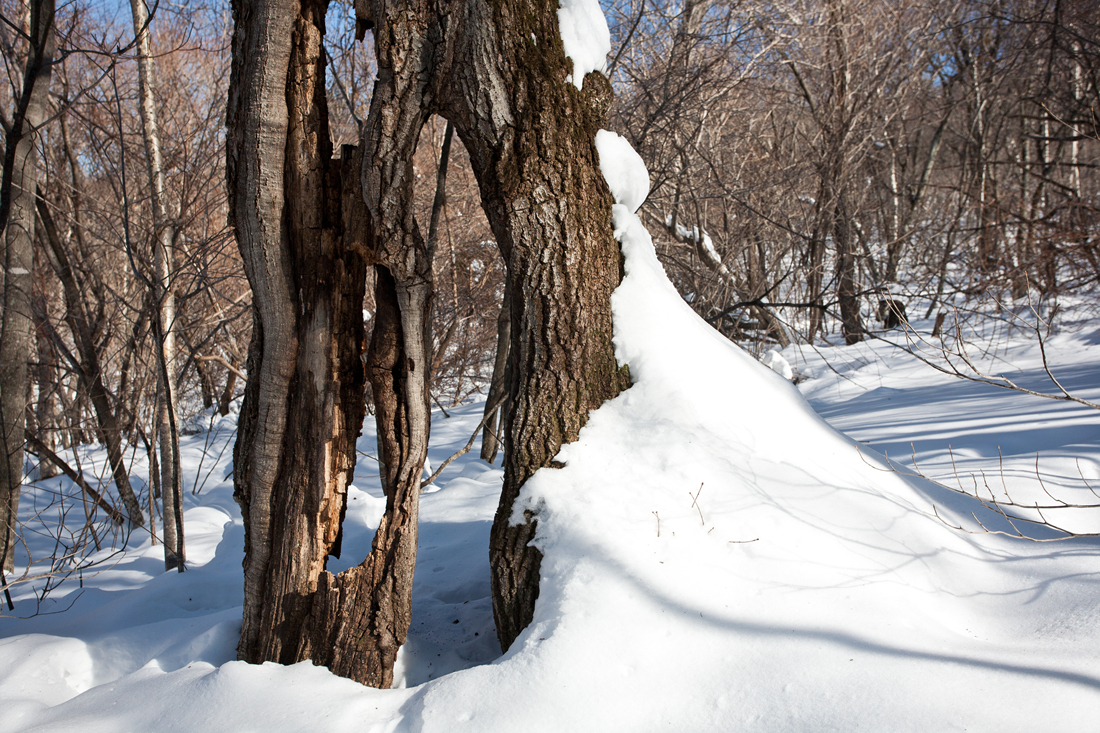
495, 409
18, 188
305, 237
307, 227
847, 293
531, 139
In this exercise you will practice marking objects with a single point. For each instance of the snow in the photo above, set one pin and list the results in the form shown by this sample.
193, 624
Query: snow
623, 169
775, 361
586, 37
717, 557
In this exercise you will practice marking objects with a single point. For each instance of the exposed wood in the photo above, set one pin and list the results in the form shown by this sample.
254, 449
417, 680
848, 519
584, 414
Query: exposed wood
361, 616
308, 286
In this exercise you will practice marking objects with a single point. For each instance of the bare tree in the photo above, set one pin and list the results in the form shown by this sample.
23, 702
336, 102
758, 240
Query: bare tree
18, 188
168, 436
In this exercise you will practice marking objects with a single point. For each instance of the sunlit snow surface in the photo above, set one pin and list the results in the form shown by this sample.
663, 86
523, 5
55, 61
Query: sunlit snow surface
716, 558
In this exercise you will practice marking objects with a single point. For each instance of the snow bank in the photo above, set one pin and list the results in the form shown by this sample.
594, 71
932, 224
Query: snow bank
717, 557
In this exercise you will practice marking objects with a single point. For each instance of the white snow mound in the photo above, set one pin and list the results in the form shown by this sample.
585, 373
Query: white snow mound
716, 557
778, 364
585, 35
623, 169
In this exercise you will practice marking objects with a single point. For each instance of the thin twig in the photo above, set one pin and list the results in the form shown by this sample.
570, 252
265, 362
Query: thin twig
465, 450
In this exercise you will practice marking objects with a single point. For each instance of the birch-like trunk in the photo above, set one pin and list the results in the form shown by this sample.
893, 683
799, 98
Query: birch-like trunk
167, 415
18, 188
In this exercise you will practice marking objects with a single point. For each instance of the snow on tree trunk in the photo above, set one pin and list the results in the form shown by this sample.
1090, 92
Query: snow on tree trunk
530, 132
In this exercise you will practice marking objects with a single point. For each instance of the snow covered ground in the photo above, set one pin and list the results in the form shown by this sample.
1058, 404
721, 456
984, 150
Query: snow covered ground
793, 586
717, 557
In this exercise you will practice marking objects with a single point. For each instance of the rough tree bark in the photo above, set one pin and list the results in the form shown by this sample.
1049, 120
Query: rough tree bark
18, 188
361, 617
305, 238
304, 398
531, 139
306, 233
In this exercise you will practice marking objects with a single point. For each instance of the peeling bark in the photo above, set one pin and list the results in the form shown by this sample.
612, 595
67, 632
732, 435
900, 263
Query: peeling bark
300, 221
307, 233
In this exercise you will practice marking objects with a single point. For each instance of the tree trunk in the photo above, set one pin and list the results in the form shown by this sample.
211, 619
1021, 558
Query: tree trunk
847, 292
361, 616
168, 435
304, 397
498, 387
18, 188
530, 135
305, 233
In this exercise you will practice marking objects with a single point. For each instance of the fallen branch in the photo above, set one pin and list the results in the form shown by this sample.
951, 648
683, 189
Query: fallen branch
77, 478
466, 449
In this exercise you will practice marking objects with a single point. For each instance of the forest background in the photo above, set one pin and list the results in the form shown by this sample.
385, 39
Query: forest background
816, 168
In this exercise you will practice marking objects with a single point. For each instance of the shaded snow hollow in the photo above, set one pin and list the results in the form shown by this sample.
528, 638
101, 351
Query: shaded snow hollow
717, 558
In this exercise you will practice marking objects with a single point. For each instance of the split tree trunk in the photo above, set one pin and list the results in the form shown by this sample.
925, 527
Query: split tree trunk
306, 235
531, 137
18, 188
304, 398
361, 616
